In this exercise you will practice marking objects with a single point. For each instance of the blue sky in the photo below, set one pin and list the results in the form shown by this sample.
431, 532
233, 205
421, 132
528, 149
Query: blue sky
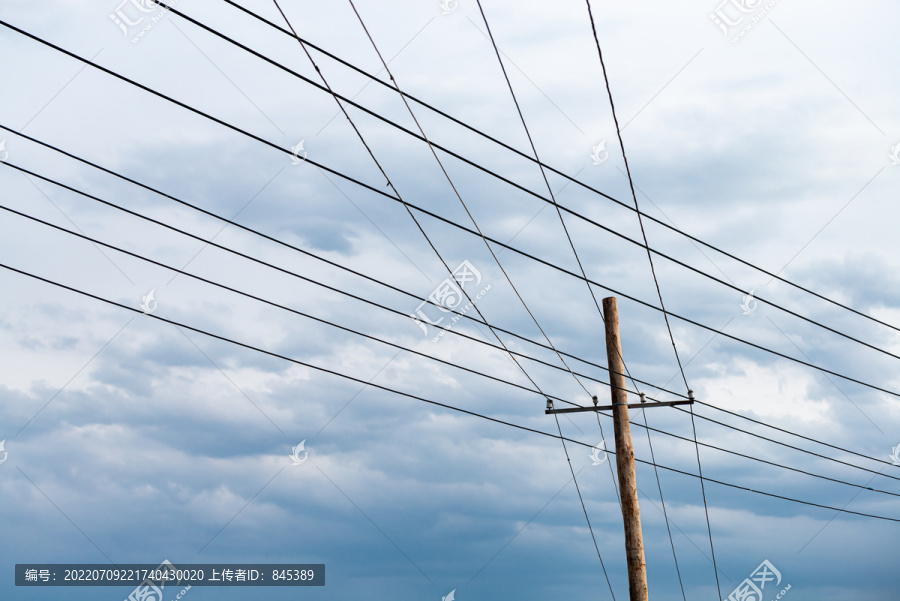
131, 440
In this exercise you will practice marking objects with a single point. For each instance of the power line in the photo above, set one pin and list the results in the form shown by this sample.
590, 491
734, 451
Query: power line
761, 423
653, 459
789, 446
416, 397
577, 260
281, 306
583, 507
550, 200
662, 305
497, 260
383, 307
412, 351
537, 158
526, 339
397, 192
772, 463
477, 340
255, 137
634, 196
332, 263
552, 169
462, 202
306, 253
265, 236
409, 350
663, 503
421, 210
705, 506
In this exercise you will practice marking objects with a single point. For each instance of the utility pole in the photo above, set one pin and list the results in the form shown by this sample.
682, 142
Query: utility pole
631, 513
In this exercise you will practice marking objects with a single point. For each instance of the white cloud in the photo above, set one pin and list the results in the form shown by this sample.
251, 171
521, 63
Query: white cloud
748, 146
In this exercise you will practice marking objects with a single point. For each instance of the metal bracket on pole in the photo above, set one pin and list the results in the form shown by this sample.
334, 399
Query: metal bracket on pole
550, 410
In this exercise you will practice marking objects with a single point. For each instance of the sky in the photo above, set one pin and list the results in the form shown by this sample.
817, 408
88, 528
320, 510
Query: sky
341, 431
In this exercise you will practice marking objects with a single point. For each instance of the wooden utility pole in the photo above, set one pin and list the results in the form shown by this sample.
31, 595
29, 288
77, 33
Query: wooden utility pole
631, 513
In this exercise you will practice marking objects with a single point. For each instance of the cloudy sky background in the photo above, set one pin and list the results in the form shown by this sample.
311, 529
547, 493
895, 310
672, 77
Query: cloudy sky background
130, 440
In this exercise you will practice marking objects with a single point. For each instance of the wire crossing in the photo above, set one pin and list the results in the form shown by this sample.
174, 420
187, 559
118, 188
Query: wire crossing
417, 397
449, 222
569, 178
400, 198
559, 207
400, 313
417, 298
462, 202
664, 312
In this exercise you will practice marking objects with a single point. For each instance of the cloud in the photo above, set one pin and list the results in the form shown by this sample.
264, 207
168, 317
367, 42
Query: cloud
131, 440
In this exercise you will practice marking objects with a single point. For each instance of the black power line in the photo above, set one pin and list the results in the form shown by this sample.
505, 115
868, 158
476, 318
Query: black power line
400, 313
761, 423
283, 307
462, 202
413, 351
501, 178
673, 342
416, 397
417, 298
662, 305
789, 446
497, 260
421, 210
551, 200
562, 222
544, 165
663, 503
405, 205
583, 507
310, 255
